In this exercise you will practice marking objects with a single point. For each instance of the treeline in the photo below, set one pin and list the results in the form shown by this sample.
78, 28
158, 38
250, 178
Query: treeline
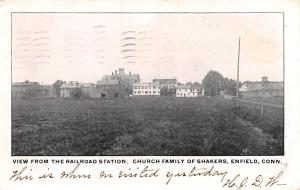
214, 83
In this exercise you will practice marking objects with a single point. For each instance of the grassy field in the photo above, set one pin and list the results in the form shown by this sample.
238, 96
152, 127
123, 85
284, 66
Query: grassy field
141, 126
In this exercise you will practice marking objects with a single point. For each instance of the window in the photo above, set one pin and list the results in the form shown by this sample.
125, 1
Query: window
134, 92
146, 92
142, 87
139, 92
154, 92
146, 87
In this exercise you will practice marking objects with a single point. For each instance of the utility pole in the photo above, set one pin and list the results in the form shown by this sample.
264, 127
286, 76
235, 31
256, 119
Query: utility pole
237, 77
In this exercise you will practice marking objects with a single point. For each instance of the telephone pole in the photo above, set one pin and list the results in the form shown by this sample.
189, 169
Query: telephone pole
237, 77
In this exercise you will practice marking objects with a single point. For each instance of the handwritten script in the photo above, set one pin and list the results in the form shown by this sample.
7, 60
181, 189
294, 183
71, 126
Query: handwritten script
232, 181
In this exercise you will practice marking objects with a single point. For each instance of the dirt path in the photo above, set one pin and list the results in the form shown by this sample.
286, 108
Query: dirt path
258, 141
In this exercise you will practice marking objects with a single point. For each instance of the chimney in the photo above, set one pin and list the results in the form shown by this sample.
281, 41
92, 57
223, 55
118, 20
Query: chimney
129, 73
264, 79
116, 72
26, 81
112, 73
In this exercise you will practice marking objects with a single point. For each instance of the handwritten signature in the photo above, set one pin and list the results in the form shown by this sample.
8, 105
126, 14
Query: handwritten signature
237, 181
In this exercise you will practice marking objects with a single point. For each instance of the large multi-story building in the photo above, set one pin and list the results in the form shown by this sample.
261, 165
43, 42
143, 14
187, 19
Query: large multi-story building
167, 86
146, 89
118, 84
263, 88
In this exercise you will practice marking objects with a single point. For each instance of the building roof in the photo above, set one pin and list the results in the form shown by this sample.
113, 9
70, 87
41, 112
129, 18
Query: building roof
133, 77
184, 86
145, 84
165, 81
26, 83
108, 82
115, 79
76, 84
265, 85
261, 82
48, 86
35, 88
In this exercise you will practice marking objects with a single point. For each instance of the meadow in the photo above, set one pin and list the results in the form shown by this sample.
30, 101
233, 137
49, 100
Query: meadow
144, 126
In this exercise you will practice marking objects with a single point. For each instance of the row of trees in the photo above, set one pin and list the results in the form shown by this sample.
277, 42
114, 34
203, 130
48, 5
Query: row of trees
213, 83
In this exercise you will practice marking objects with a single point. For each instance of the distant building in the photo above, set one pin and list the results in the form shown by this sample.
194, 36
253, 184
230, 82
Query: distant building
186, 91
169, 83
263, 88
26, 89
118, 84
49, 91
167, 86
146, 88
78, 89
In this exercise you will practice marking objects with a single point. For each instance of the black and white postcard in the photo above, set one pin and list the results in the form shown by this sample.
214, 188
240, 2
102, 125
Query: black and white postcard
184, 97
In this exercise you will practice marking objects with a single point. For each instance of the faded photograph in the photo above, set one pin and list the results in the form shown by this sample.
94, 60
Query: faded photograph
147, 84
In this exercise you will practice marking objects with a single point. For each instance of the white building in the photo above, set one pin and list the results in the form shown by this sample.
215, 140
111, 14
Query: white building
146, 89
186, 91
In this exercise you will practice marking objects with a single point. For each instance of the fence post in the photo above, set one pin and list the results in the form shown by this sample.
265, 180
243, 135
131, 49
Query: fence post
261, 110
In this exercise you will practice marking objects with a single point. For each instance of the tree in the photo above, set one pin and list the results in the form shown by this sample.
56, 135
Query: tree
212, 83
229, 86
57, 85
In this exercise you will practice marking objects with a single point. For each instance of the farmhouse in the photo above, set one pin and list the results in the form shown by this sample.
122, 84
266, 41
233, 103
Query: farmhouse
146, 88
186, 91
26, 89
263, 88
118, 84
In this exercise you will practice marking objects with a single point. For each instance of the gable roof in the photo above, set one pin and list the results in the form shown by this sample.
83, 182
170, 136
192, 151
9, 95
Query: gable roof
76, 84
165, 81
116, 79
24, 83
145, 84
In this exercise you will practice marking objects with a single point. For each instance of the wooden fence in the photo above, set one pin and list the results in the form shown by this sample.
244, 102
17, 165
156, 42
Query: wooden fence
261, 105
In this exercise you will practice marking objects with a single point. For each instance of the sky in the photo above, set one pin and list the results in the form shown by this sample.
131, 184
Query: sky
85, 46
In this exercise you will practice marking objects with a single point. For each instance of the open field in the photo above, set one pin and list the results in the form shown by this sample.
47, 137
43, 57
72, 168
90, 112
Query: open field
142, 126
